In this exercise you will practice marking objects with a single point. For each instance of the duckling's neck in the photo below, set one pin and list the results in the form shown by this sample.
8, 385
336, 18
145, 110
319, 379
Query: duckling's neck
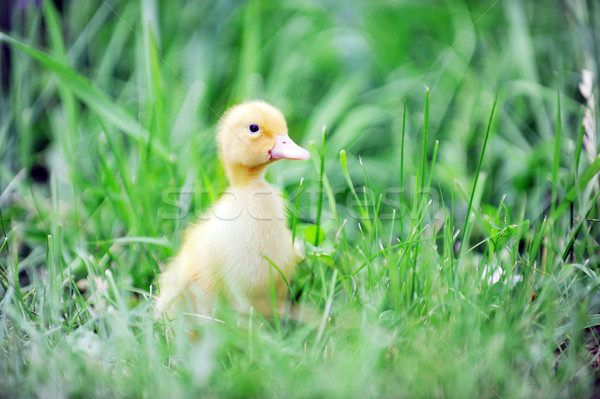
240, 175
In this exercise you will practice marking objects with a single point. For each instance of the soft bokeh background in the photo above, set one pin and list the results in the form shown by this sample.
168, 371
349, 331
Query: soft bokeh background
107, 151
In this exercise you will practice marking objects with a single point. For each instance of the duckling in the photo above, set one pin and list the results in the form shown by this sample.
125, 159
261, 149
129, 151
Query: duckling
231, 253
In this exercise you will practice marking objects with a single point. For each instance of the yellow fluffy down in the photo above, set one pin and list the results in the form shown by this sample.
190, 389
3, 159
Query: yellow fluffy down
227, 254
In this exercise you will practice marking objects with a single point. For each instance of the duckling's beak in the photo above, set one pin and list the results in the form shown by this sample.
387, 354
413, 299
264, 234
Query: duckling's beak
285, 148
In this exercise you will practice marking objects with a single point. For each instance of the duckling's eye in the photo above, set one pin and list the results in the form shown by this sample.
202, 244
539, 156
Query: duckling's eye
253, 128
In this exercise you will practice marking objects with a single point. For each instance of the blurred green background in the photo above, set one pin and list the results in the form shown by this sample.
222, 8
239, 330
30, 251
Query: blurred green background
107, 122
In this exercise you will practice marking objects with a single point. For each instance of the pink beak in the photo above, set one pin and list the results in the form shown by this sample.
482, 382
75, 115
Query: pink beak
285, 148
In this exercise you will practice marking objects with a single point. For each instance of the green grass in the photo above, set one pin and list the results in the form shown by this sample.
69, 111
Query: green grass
450, 231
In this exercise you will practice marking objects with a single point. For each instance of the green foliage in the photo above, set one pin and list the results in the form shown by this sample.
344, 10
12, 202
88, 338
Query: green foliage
450, 231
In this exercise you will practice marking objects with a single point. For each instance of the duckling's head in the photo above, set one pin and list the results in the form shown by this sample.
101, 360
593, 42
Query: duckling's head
251, 136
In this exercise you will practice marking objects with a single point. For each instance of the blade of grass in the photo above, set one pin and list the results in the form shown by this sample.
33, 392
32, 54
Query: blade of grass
320, 195
285, 280
52, 19
53, 280
421, 178
420, 193
162, 242
557, 150
587, 176
578, 148
346, 173
402, 171
327, 309
4, 271
467, 217
15, 264
113, 52
577, 228
274, 299
369, 203
54, 241
155, 107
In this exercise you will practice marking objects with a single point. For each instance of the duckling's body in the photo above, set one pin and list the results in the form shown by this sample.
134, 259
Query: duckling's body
228, 254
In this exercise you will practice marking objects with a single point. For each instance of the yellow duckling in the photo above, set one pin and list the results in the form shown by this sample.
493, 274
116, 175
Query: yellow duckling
228, 255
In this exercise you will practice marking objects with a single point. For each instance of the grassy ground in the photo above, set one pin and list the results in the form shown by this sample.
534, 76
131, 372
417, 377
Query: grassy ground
452, 253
